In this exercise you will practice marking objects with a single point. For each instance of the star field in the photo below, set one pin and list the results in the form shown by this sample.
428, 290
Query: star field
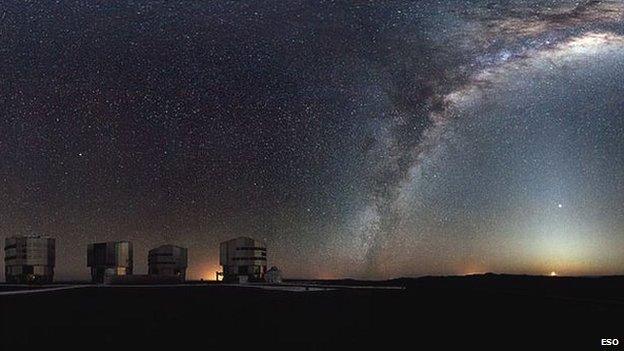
369, 140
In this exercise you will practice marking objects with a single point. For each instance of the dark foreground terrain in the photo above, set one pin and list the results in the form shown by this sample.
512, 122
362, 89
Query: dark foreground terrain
493, 311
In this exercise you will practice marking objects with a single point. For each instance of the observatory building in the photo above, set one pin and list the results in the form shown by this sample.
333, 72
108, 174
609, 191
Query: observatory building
29, 259
243, 259
107, 259
169, 261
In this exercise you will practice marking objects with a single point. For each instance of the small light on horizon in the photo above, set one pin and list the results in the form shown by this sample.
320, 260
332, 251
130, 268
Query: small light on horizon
553, 274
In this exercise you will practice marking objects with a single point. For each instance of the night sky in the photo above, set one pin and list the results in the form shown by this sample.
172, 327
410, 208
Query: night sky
365, 139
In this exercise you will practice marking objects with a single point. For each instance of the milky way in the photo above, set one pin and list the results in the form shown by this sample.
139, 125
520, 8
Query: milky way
527, 34
359, 140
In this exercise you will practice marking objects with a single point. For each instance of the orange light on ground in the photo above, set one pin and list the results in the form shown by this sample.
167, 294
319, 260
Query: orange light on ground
206, 271
325, 276
553, 274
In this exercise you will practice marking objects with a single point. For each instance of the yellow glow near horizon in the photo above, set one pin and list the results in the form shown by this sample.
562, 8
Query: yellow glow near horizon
205, 271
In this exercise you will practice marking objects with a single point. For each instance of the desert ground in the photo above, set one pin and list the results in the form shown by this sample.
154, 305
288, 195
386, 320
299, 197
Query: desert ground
500, 311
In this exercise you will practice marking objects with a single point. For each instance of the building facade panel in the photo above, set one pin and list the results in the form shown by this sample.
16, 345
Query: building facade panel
168, 260
109, 259
243, 259
29, 259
